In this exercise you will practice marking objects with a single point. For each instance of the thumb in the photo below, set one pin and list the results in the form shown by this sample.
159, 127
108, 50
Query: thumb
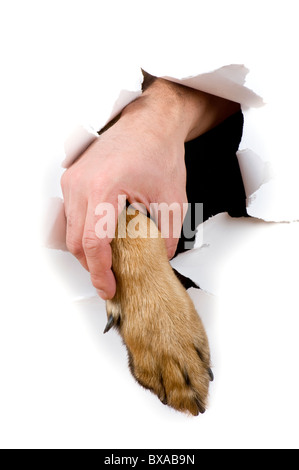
170, 218
171, 246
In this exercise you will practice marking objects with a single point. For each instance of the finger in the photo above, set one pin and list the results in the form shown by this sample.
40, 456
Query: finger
176, 219
169, 217
171, 246
75, 221
99, 230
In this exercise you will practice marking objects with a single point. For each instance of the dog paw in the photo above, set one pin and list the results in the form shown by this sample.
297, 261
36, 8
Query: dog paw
167, 345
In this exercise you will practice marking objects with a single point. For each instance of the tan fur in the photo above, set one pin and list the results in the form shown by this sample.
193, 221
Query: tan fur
166, 342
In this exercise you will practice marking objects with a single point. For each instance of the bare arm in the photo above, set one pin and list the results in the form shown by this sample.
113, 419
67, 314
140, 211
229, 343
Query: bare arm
142, 157
197, 112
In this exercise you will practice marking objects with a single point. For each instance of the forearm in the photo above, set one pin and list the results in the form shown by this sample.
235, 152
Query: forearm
175, 109
140, 157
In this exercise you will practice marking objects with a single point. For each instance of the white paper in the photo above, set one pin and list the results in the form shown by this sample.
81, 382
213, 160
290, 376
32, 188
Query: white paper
83, 135
63, 383
267, 159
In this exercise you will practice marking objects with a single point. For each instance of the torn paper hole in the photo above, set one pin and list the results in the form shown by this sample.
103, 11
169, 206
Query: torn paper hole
222, 235
254, 171
268, 196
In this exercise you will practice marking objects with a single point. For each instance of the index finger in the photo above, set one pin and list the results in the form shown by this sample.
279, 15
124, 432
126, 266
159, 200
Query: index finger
99, 230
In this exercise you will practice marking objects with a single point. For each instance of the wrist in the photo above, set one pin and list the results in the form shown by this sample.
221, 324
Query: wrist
161, 109
176, 112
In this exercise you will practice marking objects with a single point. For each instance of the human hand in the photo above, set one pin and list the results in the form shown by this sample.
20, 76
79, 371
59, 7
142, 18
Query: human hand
140, 157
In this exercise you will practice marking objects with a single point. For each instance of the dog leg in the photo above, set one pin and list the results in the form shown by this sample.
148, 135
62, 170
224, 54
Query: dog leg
167, 345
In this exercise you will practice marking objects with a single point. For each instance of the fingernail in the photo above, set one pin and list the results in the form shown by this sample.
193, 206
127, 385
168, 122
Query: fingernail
102, 294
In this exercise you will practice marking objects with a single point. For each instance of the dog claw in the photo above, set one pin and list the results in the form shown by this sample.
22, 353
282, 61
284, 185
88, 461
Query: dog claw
211, 375
109, 325
200, 407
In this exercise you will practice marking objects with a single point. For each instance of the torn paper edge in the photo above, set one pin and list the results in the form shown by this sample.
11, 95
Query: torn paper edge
83, 136
227, 82
76, 144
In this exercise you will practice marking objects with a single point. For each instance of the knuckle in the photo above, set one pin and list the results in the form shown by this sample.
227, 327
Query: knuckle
97, 281
74, 246
97, 189
70, 178
90, 243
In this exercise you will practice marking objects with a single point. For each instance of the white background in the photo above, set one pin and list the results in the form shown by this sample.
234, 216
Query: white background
64, 384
